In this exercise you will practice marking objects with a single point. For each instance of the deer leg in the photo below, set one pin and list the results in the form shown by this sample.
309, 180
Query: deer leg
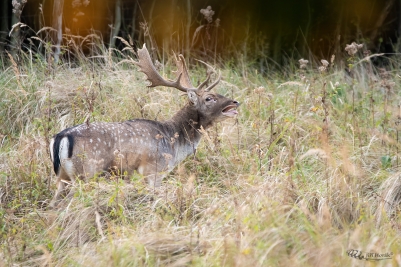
57, 193
60, 188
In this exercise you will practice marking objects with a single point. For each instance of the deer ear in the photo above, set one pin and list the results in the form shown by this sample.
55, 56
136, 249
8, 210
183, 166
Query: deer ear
193, 98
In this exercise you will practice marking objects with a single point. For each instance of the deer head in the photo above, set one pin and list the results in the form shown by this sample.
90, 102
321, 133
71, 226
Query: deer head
210, 106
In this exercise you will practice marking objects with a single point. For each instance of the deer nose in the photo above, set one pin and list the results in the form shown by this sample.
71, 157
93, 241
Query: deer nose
236, 103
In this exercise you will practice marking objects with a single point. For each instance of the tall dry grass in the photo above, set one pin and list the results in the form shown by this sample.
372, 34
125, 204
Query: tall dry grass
307, 171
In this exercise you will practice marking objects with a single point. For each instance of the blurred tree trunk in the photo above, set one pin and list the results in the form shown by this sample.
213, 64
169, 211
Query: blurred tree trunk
168, 36
58, 26
187, 30
339, 30
15, 35
399, 22
4, 27
153, 46
379, 23
133, 21
278, 43
305, 48
117, 23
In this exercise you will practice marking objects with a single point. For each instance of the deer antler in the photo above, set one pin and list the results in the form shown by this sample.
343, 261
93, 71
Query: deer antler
182, 69
210, 70
182, 83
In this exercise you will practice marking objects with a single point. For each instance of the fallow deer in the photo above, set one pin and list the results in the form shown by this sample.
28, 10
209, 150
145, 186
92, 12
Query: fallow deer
150, 148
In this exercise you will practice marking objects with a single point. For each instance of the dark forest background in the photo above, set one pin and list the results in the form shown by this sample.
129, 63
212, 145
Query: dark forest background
260, 31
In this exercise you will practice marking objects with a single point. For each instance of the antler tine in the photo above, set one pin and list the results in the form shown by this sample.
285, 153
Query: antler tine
146, 66
204, 82
210, 87
208, 77
182, 68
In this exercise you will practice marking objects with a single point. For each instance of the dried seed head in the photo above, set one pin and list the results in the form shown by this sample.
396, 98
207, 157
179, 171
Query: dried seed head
302, 63
259, 90
208, 14
353, 48
15, 3
325, 63
18, 6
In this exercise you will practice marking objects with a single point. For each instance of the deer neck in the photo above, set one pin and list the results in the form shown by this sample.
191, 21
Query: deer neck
187, 122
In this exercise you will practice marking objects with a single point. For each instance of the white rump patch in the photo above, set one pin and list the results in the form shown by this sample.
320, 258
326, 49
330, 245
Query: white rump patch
51, 149
63, 150
65, 162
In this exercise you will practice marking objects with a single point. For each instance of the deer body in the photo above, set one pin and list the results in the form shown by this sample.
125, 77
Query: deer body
148, 147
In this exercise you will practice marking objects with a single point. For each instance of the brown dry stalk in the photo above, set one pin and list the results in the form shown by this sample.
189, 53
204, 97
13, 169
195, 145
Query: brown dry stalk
16, 71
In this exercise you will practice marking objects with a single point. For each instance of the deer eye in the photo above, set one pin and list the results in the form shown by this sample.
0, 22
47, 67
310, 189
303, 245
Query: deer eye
208, 99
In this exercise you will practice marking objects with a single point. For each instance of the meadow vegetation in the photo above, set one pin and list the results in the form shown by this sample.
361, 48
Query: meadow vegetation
307, 171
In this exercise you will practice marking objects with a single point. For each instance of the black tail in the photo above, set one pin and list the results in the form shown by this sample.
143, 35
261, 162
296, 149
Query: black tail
56, 150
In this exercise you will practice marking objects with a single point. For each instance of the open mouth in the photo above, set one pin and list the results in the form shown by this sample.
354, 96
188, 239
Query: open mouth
230, 111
